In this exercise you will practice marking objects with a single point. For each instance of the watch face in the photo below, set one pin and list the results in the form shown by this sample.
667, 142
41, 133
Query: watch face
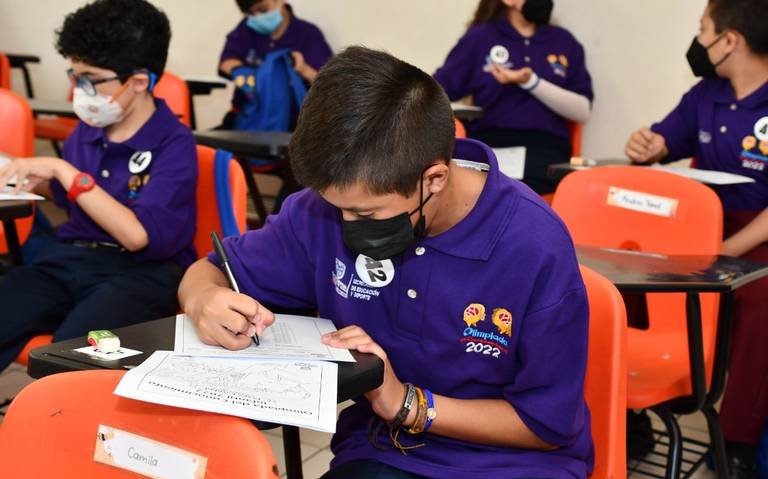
85, 180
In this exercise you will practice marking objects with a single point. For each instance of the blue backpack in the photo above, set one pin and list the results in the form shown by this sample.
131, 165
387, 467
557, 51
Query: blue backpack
279, 93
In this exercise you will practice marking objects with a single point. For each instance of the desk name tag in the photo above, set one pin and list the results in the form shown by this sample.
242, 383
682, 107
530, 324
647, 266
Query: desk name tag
145, 456
642, 202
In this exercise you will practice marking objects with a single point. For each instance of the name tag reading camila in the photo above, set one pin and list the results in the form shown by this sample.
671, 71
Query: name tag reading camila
642, 202
145, 456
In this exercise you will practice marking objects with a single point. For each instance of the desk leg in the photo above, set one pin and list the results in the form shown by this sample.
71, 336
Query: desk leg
696, 349
292, 452
12, 240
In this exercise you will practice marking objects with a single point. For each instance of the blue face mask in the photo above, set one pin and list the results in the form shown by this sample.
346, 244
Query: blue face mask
265, 23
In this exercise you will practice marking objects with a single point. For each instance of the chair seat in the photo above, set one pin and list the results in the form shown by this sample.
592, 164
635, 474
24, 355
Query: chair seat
36, 342
54, 128
23, 229
658, 368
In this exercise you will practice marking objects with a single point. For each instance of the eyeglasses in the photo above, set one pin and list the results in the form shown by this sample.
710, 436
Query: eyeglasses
88, 85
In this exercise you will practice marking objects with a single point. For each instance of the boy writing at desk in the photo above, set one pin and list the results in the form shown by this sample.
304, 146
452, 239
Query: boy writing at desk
434, 264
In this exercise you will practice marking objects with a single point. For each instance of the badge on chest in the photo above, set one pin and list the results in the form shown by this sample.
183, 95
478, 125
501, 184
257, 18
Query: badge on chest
483, 337
138, 166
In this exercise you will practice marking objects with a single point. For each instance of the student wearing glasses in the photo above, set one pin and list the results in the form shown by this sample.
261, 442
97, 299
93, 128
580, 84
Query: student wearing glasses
127, 180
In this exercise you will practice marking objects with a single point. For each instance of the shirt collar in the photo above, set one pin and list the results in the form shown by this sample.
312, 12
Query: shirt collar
161, 124
475, 236
541, 34
724, 94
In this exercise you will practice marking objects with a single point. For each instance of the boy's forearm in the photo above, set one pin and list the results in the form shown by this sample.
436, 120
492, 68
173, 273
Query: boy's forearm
749, 237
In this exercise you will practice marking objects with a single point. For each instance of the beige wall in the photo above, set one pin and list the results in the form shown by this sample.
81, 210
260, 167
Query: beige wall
635, 49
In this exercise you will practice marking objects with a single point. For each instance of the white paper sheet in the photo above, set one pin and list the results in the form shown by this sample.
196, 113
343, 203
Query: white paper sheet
6, 194
297, 393
461, 106
290, 337
511, 161
707, 176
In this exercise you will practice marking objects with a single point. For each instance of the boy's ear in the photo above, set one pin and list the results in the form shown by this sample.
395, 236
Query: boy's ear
732, 40
436, 177
141, 82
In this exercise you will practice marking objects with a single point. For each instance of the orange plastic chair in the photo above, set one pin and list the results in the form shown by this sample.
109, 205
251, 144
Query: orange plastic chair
658, 357
461, 131
51, 429
605, 387
18, 140
5, 72
175, 92
207, 209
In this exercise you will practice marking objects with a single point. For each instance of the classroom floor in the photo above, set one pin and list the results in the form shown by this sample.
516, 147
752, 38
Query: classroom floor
315, 446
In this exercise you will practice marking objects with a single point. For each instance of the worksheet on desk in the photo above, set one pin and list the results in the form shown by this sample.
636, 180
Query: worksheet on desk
290, 337
6, 194
296, 393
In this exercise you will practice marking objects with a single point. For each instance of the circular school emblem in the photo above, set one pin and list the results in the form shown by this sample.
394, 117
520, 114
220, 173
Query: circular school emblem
499, 54
139, 161
375, 273
761, 129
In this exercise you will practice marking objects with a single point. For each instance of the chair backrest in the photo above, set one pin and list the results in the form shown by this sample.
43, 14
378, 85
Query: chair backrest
207, 208
575, 131
51, 428
5, 72
175, 92
17, 122
596, 206
461, 131
605, 387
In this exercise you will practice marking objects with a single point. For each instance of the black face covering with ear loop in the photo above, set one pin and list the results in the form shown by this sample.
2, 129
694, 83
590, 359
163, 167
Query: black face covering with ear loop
698, 59
538, 11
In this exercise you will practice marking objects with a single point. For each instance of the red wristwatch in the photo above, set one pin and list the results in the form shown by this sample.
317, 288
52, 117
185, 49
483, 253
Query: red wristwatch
83, 182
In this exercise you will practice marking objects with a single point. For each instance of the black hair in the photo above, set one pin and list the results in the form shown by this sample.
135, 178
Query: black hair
372, 119
119, 35
245, 5
747, 17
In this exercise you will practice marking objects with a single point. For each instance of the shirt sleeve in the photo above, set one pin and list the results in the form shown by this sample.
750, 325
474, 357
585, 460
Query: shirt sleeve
272, 264
455, 74
166, 207
680, 128
548, 390
579, 80
316, 50
236, 44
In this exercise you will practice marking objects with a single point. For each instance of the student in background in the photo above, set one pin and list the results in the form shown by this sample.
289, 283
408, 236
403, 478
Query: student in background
529, 77
269, 25
722, 122
411, 254
127, 180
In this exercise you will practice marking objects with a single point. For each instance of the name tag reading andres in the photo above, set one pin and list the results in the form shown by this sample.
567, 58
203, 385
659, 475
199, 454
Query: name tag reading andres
145, 456
642, 202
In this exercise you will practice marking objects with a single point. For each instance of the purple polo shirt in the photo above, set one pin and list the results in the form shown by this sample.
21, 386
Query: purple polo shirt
243, 43
425, 309
552, 52
159, 190
723, 134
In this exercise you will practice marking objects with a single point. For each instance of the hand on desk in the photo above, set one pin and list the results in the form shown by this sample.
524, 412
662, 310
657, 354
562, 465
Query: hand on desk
30, 172
645, 146
223, 317
387, 399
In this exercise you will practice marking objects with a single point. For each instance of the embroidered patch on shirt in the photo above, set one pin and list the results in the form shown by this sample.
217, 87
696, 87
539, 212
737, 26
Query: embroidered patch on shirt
705, 137
478, 341
503, 320
754, 154
559, 64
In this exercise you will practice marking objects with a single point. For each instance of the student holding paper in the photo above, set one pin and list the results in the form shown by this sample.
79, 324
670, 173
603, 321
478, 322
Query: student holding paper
127, 179
529, 76
723, 123
431, 263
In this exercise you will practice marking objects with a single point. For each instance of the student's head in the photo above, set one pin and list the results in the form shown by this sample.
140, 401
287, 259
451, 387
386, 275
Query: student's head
264, 16
730, 31
534, 11
125, 41
374, 136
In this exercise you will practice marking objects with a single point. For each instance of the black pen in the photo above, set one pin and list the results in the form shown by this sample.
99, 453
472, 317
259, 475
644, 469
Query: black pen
219, 249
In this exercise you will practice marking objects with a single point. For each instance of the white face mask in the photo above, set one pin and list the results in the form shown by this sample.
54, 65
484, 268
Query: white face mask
98, 111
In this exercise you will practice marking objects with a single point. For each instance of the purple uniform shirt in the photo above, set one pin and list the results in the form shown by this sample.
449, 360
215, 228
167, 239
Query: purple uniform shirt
552, 52
493, 308
154, 174
723, 134
244, 44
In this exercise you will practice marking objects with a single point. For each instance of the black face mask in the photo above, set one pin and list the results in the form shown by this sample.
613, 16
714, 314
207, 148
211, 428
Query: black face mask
538, 11
699, 60
383, 239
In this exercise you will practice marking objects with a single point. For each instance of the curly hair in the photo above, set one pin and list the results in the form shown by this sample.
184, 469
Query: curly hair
119, 35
